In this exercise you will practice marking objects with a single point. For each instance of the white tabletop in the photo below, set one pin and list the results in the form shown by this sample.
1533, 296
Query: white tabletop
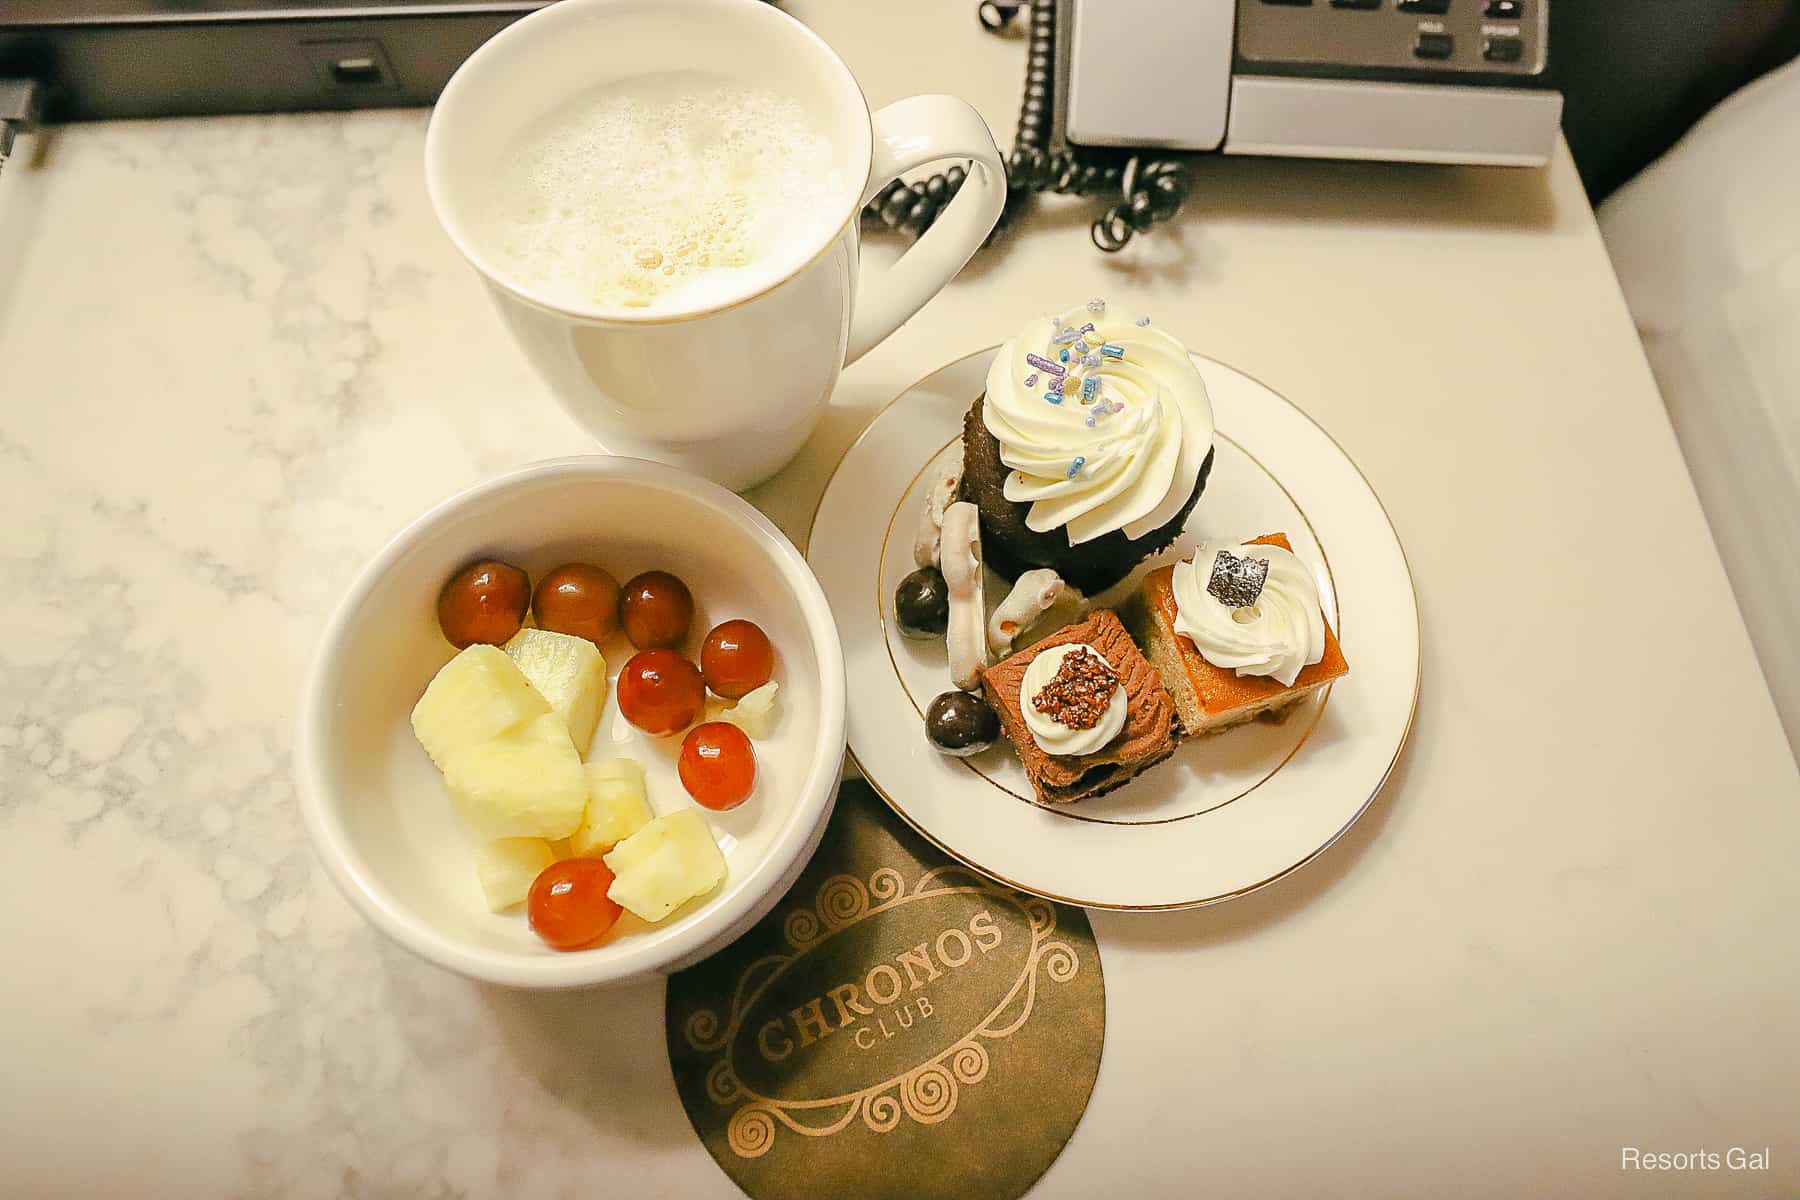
236, 354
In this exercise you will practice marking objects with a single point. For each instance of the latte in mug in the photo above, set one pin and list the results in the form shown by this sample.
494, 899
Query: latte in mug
668, 191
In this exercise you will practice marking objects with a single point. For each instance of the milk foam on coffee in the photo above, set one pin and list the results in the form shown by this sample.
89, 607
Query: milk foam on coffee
671, 190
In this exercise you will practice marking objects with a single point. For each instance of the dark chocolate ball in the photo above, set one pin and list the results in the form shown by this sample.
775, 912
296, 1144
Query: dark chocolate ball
922, 604
961, 724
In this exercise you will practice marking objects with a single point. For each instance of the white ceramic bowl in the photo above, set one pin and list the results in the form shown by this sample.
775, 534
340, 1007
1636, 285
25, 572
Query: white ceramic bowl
375, 806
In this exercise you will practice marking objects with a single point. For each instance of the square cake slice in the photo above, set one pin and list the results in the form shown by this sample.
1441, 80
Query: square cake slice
1211, 698
1145, 737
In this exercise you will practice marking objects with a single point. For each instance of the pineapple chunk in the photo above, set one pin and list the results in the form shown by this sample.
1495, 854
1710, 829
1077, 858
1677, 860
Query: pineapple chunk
755, 713
508, 867
567, 671
527, 782
639, 846
616, 807
665, 864
474, 696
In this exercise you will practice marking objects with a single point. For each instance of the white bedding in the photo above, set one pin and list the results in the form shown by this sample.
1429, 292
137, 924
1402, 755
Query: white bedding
1706, 242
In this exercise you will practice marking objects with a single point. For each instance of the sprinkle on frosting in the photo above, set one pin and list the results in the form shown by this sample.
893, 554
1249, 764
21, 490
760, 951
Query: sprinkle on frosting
1075, 467
1097, 305
1143, 321
1137, 385
1031, 379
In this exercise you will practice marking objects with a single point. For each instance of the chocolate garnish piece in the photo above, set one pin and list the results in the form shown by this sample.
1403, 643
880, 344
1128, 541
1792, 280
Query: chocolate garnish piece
1237, 582
1078, 695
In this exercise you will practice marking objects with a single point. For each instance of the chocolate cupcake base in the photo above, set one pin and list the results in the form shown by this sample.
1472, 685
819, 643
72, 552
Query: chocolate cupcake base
1011, 547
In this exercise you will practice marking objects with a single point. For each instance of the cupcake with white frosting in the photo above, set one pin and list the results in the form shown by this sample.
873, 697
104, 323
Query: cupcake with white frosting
1090, 447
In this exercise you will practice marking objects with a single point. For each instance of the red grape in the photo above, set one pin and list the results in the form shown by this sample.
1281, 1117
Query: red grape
658, 609
484, 602
718, 765
577, 599
568, 906
737, 659
660, 692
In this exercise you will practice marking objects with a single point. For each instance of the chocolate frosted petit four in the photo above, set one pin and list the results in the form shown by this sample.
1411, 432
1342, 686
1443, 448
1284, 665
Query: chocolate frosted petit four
1084, 709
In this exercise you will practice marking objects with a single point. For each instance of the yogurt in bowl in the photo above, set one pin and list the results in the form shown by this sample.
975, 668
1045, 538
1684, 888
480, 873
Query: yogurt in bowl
376, 807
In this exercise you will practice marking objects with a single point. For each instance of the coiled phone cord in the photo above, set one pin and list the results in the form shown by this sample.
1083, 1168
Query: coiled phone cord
1151, 189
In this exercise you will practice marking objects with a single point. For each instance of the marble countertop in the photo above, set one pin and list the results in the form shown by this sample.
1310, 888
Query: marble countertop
236, 354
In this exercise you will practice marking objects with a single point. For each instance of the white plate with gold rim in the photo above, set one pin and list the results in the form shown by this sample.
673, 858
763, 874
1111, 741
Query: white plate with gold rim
1227, 814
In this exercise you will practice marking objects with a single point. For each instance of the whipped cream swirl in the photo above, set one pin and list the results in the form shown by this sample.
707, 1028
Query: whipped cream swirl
1280, 635
1112, 437
1047, 731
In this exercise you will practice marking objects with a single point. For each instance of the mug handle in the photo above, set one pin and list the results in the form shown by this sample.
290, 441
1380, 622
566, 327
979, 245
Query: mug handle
910, 133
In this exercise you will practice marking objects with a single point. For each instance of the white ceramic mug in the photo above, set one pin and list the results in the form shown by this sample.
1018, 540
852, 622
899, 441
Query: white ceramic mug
730, 391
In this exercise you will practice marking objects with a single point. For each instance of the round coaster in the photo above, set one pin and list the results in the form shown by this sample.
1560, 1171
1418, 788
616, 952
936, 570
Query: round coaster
899, 1025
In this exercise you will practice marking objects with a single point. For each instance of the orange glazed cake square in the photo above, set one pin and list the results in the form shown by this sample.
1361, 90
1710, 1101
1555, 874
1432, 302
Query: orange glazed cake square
1210, 698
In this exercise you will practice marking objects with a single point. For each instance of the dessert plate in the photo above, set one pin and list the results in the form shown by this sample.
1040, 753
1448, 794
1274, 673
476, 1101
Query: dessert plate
1227, 814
